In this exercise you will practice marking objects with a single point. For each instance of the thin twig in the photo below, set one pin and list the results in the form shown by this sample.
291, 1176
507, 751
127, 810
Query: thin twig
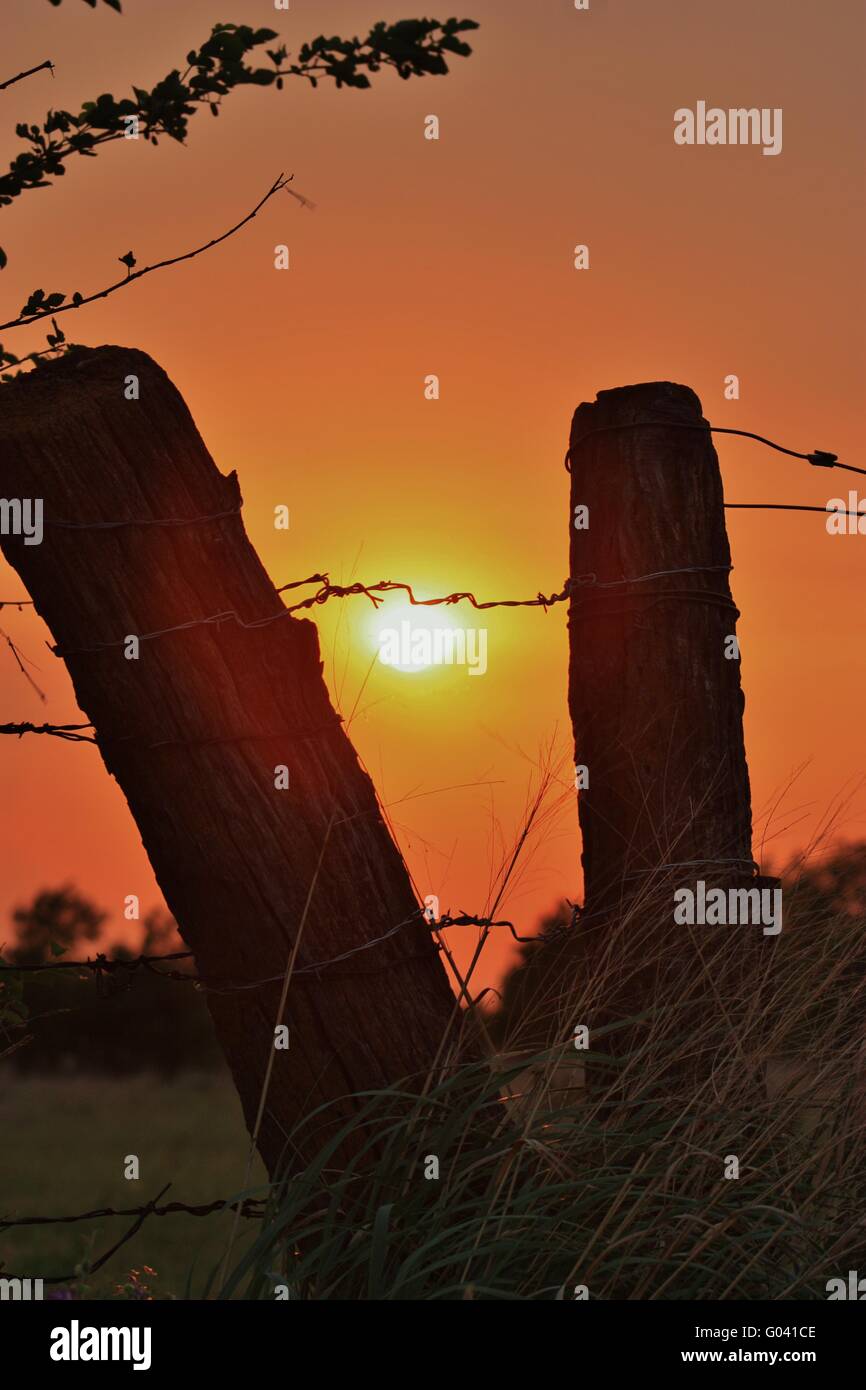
10, 81
20, 659
277, 187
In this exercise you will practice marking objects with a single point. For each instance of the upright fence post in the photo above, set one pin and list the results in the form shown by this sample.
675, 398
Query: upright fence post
252, 805
654, 677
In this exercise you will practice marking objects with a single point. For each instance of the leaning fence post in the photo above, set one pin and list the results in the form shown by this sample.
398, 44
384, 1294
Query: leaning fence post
654, 678
251, 802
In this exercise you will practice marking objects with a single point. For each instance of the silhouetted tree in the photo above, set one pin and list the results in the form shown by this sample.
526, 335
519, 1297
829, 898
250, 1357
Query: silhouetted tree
531, 987
114, 1024
57, 918
835, 885
823, 902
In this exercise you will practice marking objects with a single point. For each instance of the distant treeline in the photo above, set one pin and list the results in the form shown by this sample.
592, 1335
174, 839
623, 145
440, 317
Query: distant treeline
823, 902
132, 1021
118, 1023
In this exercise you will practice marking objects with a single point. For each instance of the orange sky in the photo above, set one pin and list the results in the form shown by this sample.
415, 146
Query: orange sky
456, 258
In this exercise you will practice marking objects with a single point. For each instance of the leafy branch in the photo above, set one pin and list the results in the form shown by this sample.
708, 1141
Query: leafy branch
412, 47
40, 305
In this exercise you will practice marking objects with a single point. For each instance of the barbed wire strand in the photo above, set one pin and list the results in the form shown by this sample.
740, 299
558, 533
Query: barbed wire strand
374, 592
64, 731
170, 521
141, 1214
789, 507
102, 964
819, 458
250, 1206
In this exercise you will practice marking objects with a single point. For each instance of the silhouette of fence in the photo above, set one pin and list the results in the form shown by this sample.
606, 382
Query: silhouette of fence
100, 965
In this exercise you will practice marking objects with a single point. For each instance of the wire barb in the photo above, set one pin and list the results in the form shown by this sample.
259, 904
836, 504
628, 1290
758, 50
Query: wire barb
64, 731
249, 1207
821, 458
102, 964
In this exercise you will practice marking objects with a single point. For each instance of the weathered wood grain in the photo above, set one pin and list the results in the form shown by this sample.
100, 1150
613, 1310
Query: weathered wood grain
194, 729
656, 707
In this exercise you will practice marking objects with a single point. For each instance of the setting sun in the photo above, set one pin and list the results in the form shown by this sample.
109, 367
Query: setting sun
410, 639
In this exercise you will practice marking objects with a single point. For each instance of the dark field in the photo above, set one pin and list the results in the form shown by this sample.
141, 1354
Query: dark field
63, 1148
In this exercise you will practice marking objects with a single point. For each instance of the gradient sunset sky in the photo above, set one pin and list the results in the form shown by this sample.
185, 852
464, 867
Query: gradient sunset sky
455, 257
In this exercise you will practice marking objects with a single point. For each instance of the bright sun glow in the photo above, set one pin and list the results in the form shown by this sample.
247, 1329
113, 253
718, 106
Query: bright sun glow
411, 639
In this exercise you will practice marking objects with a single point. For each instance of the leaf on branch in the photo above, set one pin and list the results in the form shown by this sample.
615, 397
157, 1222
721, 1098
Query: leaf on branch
413, 47
57, 337
112, 4
40, 305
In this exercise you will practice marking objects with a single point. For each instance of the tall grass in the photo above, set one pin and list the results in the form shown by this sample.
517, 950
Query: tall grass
563, 1169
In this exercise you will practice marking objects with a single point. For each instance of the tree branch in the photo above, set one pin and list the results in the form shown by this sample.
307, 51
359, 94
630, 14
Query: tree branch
410, 47
277, 187
10, 82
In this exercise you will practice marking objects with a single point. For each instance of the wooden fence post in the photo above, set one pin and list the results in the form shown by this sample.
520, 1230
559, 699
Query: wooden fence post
654, 678
195, 728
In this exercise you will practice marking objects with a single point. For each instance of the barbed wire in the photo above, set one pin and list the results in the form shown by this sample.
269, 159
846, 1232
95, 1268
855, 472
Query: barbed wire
104, 1258
819, 458
326, 592
170, 521
102, 964
375, 593
791, 507
69, 732
249, 1207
